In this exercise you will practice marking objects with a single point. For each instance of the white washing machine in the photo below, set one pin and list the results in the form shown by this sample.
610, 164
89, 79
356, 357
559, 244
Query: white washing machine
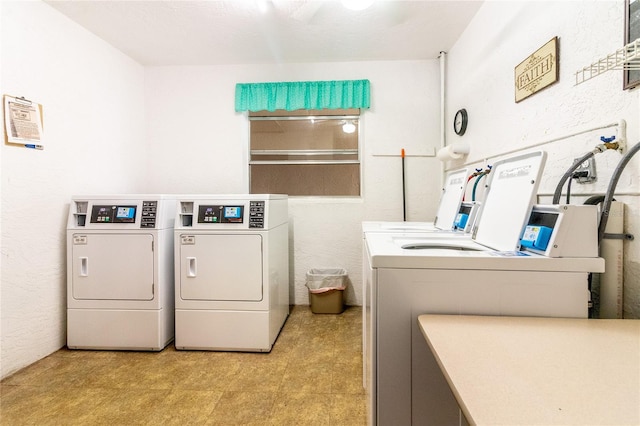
453, 211
120, 272
449, 206
403, 382
448, 210
408, 275
231, 271
518, 179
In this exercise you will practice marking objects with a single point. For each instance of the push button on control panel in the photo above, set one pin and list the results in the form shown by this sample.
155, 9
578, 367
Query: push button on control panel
149, 211
256, 214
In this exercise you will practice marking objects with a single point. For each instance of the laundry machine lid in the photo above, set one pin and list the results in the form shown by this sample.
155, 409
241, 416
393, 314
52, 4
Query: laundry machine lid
511, 194
454, 187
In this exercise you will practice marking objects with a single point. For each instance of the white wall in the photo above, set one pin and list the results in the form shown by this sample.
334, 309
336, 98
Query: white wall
93, 101
197, 143
481, 79
113, 126
1, 198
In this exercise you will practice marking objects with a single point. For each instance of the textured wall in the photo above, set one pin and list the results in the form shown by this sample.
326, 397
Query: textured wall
93, 127
198, 144
104, 134
481, 79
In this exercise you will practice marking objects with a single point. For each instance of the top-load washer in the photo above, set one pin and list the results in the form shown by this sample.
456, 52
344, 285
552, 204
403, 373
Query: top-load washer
408, 275
120, 272
448, 210
231, 271
457, 218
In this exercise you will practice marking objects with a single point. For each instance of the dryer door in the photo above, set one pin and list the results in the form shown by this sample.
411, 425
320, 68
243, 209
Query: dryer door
113, 267
224, 267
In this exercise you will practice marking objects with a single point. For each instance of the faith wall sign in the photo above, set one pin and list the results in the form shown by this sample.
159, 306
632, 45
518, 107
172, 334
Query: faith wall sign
538, 71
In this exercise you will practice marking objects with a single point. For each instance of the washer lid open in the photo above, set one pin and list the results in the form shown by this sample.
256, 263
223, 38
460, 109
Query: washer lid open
510, 196
451, 198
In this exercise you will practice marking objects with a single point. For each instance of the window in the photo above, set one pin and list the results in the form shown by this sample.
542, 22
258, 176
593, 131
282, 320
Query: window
305, 152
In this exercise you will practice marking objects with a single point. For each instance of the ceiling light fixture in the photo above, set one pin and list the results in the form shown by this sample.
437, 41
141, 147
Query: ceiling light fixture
357, 4
348, 127
263, 6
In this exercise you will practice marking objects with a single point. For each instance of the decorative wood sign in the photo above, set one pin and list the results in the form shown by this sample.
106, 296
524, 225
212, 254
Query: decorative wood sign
537, 71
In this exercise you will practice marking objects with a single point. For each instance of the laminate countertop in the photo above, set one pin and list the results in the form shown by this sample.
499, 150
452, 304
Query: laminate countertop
539, 371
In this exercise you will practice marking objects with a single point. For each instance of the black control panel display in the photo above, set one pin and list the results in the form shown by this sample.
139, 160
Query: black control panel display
465, 209
221, 214
122, 213
113, 214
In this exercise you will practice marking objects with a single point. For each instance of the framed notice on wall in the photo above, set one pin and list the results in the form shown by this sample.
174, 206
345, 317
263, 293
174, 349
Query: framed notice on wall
23, 122
538, 71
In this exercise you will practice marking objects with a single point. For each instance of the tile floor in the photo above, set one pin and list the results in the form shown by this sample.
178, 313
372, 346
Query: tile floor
312, 376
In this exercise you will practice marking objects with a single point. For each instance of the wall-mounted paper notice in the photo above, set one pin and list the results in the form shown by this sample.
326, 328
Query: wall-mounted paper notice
23, 122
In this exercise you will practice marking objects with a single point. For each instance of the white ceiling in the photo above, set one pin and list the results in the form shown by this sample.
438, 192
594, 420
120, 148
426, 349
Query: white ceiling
182, 32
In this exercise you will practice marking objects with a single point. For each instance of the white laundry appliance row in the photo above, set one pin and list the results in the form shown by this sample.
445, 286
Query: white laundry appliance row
210, 270
410, 273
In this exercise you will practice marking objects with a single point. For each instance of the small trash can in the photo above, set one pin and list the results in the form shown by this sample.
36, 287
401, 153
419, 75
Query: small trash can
326, 288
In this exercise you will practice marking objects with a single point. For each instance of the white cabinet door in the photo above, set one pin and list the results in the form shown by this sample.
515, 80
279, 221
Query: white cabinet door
222, 267
113, 267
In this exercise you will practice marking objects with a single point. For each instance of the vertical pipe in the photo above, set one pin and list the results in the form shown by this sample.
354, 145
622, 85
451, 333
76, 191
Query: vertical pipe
622, 135
443, 118
404, 192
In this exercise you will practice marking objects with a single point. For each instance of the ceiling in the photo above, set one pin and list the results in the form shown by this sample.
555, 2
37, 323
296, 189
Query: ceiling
183, 32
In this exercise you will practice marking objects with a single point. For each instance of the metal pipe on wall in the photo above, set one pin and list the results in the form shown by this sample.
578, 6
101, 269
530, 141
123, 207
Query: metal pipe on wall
621, 138
443, 118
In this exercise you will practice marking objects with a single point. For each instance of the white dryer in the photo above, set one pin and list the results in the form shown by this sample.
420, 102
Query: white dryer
408, 275
231, 271
120, 272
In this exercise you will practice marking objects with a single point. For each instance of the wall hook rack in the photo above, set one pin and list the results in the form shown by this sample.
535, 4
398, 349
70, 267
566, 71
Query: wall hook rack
625, 58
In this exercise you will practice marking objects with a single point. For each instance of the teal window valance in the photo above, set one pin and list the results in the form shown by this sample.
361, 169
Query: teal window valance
290, 96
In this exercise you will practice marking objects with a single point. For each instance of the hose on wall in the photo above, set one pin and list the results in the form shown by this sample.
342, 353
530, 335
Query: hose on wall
598, 149
608, 198
558, 192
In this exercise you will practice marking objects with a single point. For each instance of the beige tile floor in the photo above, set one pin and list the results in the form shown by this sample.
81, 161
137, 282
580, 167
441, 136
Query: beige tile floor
312, 376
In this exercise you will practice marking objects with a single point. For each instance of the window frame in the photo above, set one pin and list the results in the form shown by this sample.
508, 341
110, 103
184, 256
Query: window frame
309, 115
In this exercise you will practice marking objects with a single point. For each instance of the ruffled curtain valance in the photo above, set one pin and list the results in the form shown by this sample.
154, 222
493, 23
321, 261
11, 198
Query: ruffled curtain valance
290, 96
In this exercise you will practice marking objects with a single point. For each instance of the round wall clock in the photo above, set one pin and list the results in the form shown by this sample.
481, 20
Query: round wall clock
460, 122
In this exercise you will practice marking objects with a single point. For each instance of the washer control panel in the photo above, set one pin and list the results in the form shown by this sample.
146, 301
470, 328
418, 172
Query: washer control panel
149, 214
113, 214
233, 214
562, 231
144, 212
121, 213
250, 212
220, 214
256, 214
